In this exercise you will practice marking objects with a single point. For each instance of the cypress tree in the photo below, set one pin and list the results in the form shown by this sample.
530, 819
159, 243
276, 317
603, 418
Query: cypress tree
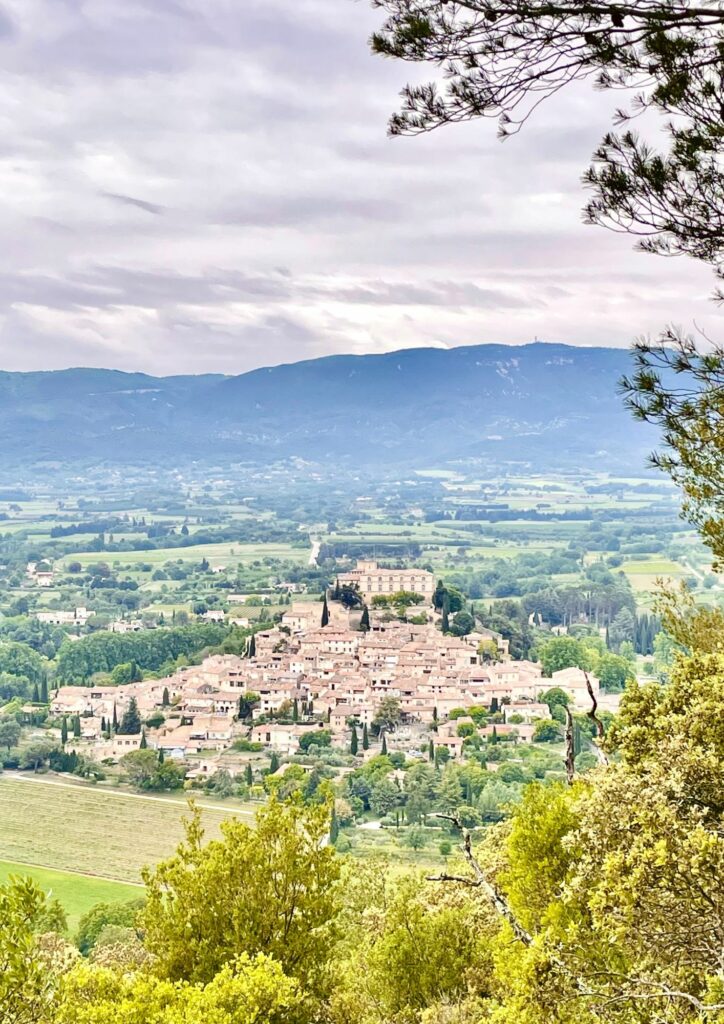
131, 721
494, 737
161, 757
103, 724
44, 691
434, 719
248, 774
165, 699
76, 726
333, 828
431, 751
353, 746
337, 592
325, 612
364, 622
251, 650
494, 706
274, 763
577, 741
445, 619
114, 726
365, 738
143, 744
64, 731
36, 694
295, 710
384, 744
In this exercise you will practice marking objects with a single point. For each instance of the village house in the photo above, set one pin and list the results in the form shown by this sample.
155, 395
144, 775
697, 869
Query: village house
573, 682
282, 738
76, 617
41, 573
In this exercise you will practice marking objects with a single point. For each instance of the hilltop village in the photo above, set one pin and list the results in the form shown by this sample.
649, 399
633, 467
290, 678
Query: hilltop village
328, 668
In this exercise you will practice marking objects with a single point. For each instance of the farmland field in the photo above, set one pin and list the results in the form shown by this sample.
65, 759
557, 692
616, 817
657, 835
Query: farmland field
216, 554
91, 830
76, 893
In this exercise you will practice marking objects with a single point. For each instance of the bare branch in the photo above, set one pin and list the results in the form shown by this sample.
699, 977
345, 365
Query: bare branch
570, 747
481, 881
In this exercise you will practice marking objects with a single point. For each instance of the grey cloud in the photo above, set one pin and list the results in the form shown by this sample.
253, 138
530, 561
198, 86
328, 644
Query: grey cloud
142, 204
292, 226
437, 293
7, 25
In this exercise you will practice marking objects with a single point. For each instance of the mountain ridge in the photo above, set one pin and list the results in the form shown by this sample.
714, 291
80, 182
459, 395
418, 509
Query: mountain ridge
542, 402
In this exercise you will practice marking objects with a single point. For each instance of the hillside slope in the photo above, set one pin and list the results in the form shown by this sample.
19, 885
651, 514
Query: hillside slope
545, 404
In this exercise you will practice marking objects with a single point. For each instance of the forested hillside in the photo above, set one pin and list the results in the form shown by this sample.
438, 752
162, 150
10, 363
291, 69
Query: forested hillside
551, 404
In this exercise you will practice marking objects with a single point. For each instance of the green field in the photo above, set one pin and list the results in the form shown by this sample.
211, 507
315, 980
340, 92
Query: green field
76, 893
92, 830
226, 553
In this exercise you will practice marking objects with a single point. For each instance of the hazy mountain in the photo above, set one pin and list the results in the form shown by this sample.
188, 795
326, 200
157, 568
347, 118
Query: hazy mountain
552, 405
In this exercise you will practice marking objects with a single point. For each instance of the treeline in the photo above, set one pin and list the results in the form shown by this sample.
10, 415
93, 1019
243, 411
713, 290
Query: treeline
252, 533
505, 514
598, 594
91, 526
364, 549
150, 649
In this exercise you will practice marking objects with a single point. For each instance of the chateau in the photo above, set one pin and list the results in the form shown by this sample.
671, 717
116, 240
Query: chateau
371, 579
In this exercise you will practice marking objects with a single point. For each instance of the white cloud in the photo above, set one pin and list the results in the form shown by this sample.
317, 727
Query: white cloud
162, 159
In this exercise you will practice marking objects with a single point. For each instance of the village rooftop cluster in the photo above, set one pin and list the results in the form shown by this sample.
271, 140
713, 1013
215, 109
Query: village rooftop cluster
335, 677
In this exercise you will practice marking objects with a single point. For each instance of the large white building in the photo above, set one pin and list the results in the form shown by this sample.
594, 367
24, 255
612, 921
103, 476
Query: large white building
371, 579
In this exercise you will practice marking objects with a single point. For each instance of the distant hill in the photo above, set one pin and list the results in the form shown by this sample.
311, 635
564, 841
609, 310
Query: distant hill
549, 405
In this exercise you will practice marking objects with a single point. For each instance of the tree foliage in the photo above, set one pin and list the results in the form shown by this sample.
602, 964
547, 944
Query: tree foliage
272, 889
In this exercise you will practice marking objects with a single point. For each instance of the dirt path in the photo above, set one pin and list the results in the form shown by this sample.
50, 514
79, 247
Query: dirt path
130, 796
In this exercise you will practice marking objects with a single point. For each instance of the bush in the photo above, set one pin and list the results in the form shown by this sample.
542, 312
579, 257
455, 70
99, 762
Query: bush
103, 915
315, 737
547, 732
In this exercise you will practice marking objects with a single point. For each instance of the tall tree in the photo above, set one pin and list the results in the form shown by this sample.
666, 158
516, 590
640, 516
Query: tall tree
131, 720
365, 737
325, 612
64, 730
354, 745
261, 890
9, 734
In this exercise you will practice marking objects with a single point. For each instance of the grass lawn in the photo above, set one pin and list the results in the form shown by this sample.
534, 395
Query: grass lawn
76, 893
91, 830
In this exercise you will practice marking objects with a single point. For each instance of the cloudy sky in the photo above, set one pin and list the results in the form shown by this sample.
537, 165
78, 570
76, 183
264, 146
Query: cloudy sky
197, 185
